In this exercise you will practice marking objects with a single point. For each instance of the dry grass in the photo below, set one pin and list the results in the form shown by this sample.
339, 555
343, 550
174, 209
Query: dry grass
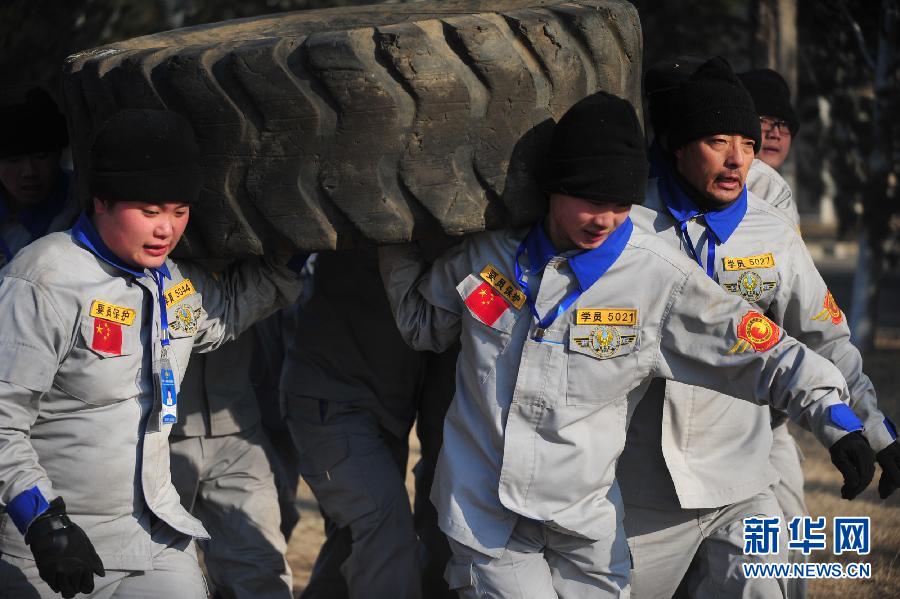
822, 497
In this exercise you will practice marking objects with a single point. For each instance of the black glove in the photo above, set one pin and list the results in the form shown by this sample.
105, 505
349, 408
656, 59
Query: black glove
889, 458
853, 456
65, 557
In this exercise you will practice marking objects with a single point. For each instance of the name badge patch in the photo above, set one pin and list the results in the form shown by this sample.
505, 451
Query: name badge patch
503, 285
178, 292
766, 260
112, 312
607, 316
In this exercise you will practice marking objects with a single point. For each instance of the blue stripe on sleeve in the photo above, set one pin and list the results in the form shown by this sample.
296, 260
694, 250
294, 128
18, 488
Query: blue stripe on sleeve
25, 507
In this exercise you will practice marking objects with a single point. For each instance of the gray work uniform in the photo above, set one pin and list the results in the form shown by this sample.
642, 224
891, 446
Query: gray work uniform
79, 415
221, 470
350, 385
694, 454
786, 457
540, 414
769, 186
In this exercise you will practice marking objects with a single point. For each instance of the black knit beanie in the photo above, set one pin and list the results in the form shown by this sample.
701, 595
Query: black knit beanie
712, 101
661, 84
597, 152
146, 156
32, 126
771, 95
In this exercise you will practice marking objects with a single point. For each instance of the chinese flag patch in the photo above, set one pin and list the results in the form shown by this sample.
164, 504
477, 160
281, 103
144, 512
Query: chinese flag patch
486, 304
757, 332
107, 337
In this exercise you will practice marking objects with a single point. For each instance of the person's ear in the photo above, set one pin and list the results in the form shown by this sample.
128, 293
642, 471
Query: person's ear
100, 206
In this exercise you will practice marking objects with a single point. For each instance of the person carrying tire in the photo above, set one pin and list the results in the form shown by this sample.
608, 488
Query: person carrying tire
563, 325
97, 326
221, 470
350, 392
35, 191
685, 501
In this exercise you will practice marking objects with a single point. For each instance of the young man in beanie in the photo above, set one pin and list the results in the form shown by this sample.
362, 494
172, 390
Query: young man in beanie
96, 329
35, 192
779, 125
696, 463
563, 325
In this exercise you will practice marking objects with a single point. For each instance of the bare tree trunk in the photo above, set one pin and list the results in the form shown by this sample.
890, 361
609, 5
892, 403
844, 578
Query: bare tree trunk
877, 209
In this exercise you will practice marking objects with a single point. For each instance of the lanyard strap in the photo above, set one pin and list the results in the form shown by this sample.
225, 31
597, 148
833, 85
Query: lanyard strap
710, 248
564, 305
163, 316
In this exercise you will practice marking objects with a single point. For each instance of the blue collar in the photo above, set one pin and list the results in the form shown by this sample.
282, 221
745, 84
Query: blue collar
85, 233
588, 266
722, 223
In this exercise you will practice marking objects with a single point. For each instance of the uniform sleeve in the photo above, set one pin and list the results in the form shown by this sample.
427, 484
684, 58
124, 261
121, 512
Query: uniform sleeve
809, 313
712, 339
34, 341
424, 300
243, 294
767, 184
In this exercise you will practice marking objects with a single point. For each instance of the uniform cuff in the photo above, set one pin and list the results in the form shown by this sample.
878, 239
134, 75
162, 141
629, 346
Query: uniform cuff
843, 417
25, 507
881, 435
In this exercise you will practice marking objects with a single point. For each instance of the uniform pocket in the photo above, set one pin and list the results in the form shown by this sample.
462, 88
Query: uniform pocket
459, 572
602, 363
489, 324
104, 364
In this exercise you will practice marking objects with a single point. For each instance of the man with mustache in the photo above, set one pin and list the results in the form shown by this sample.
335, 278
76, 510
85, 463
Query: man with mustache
695, 463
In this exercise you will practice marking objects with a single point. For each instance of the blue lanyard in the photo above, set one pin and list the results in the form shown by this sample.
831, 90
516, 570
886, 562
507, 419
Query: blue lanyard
163, 315
710, 248
564, 305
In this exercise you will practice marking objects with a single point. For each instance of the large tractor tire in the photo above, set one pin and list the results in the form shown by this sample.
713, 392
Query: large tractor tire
380, 123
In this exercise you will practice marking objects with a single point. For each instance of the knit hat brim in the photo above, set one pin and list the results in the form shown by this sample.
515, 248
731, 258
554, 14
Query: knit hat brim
600, 179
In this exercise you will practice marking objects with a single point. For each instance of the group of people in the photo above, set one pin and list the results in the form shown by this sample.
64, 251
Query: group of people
601, 398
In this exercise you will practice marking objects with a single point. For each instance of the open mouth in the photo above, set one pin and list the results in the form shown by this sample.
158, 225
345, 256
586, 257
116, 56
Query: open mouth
728, 182
156, 250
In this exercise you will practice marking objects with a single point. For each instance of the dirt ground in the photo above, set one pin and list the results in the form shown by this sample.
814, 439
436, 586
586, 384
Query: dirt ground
822, 496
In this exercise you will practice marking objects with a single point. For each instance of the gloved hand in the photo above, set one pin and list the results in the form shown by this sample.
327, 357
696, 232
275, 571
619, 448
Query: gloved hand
855, 459
65, 557
889, 458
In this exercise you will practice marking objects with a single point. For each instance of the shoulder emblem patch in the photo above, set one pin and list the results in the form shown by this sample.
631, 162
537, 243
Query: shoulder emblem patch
503, 285
605, 341
766, 260
112, 312
607, 316
750, 286
178, 292
830, 310
756, 332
